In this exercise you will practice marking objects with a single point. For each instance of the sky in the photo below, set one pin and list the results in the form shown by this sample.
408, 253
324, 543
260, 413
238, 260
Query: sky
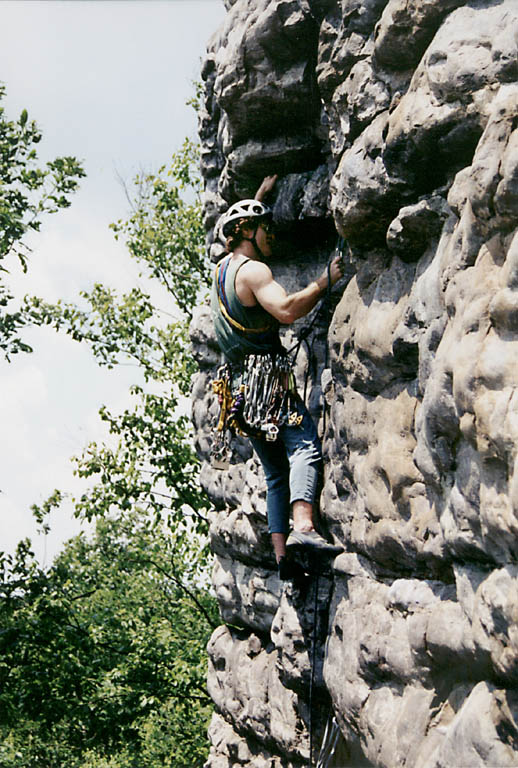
107, 81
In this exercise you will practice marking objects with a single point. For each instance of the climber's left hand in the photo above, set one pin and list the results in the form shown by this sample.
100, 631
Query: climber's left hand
266, 187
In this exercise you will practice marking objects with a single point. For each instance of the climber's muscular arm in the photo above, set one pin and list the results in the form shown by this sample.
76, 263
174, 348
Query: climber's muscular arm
255, 283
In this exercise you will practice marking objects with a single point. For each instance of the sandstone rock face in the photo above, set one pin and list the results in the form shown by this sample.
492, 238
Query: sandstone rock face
394, 124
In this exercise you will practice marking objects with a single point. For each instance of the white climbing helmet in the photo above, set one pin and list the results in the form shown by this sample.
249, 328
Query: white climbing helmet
244, 209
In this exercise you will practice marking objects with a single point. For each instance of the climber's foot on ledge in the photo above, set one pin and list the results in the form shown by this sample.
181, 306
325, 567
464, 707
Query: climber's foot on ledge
313, 540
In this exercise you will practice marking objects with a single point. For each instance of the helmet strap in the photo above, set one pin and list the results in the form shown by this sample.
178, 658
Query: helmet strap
254, 243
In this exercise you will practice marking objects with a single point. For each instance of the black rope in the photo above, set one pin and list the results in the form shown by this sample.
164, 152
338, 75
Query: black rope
309, 352
306, 330
323, 307
326, 356
322, 310
325, 304
312, 676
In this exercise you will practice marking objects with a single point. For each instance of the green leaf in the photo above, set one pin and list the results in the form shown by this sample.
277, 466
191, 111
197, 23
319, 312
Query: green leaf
28, 193
123, 615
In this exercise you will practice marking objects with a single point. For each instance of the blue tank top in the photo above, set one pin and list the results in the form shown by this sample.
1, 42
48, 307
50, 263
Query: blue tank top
263, 329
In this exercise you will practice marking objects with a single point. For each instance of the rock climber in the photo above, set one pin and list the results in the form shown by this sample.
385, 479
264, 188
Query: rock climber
248, 306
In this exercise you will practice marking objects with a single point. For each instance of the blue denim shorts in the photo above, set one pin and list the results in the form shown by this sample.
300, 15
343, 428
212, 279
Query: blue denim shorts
292, 466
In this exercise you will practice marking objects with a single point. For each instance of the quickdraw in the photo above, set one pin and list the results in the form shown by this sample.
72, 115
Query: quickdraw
265, 400
270, 395
221, 388
220, 449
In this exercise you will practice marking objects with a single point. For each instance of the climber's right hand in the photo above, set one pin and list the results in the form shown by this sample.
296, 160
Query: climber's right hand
336, 270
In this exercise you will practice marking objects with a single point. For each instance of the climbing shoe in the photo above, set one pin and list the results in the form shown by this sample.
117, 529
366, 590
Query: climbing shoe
289, 570
313, 540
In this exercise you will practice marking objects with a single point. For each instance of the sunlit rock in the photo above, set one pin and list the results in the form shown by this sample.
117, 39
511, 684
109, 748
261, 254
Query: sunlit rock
395, 125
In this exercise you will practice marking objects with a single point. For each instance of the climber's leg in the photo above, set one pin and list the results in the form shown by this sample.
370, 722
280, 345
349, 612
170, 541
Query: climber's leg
304, 454
279, 545
292, 465
305, 459
276, 469
302, 515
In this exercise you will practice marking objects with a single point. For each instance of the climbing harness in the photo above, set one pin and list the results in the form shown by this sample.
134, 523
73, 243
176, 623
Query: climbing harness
265, 399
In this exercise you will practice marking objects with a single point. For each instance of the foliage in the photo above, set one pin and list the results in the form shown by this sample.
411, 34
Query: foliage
102, 657
125, 328
165, 234
165, 231
123, 621
152, 465
27, 192
152, 462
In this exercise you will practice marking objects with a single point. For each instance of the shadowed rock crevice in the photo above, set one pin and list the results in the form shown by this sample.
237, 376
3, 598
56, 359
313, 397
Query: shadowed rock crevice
395, 125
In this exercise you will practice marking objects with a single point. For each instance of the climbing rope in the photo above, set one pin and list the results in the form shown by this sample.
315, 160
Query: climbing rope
332, 732
323, 309
329, 742
321, 314
313, 664
326, 359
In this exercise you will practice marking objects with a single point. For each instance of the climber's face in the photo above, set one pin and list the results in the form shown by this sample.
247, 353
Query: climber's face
265, 238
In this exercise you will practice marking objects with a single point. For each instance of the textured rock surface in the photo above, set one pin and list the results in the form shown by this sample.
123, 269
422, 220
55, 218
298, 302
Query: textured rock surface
396, 124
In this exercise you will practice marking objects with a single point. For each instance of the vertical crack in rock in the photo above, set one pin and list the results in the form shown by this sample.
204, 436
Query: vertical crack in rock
395, 125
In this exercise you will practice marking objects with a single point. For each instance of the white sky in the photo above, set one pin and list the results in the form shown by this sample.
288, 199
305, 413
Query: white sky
107, 82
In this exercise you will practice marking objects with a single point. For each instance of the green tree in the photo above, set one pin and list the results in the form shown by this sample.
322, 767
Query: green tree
28, 192
165, 231
126, 618
102, 656
152, 462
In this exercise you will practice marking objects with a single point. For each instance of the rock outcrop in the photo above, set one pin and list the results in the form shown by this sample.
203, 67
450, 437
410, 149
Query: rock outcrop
394, 124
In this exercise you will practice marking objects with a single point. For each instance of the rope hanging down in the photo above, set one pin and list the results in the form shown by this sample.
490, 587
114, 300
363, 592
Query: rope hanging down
313, 664
329, 742
324, 307
332, 731
321, 315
